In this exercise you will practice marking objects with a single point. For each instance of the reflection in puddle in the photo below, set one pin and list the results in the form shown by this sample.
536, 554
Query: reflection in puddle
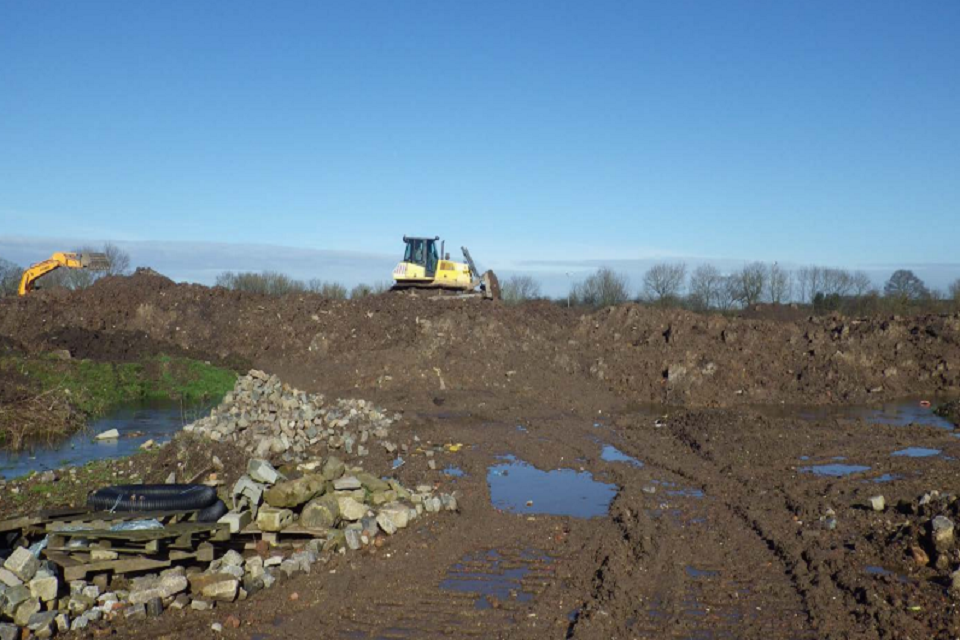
834, 470
916, 452
522, 488
900, 414
136, 424
611, 454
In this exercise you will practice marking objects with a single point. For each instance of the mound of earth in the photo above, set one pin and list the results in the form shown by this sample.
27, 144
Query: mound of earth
424, 345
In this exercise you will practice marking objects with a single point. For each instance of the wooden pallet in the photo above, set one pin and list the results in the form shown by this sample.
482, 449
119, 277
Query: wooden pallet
180, 539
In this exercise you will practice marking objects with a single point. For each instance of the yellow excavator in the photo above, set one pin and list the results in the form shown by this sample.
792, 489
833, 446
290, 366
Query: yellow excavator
92, 261
424, 268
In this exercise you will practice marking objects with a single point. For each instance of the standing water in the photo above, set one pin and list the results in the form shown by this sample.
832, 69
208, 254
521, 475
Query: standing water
136, 424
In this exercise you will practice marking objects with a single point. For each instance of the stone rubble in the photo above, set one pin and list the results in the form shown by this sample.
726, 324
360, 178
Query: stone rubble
267, 417
343, 507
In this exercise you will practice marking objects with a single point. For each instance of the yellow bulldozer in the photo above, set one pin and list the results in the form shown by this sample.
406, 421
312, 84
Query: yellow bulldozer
423, 267
92, 261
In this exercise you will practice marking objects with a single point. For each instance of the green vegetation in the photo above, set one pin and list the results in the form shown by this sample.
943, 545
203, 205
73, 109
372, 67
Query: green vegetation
93, 387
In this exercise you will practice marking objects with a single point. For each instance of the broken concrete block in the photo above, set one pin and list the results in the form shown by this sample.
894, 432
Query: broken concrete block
236, 520
273, 519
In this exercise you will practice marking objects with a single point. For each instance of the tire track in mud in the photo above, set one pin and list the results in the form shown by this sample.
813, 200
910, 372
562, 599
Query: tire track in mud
685, 563
769, 513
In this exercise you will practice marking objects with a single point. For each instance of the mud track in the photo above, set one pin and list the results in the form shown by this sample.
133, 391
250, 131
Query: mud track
718, 532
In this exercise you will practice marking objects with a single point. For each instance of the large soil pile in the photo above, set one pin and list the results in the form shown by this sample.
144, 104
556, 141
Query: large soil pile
419, 344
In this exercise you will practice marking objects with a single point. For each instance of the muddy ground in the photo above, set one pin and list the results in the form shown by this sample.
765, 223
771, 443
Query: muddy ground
718, 531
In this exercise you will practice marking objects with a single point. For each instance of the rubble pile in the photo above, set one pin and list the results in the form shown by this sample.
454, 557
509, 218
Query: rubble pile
281, 524
267, 417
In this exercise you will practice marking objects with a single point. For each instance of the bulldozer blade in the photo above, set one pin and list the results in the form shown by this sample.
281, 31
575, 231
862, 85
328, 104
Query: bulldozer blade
491, 285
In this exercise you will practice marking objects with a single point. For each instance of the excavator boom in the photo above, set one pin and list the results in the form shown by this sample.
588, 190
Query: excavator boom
92, 261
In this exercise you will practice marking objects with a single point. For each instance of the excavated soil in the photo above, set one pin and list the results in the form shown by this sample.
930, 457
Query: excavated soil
720, 529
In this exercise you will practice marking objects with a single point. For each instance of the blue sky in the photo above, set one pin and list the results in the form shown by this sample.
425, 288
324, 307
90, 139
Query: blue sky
805, 132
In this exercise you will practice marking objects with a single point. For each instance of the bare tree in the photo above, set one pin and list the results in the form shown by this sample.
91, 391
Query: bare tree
332, 290
362, 290
728, 295
602, 289
809, 283
517, 289
705, 287
905, 285
750, 283
266, 282
779, 284
118, 258
954, 291
664, 281
860, 283
836, 282
10, 274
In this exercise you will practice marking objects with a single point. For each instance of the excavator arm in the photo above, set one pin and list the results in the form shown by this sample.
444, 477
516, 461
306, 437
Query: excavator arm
93, 261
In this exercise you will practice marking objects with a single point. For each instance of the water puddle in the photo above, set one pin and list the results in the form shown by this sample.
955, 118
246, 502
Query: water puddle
500, 576
522, 488
136, 424
875, 570
897, 413
686, 492
916, 452
455, 472
610, 453
694, 572
834, 470
887, 477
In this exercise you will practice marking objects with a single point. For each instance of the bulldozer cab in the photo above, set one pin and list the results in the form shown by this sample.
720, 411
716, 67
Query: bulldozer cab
422, 252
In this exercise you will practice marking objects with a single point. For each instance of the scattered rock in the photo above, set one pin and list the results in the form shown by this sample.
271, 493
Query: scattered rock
321, 513
22, 564
941, 532
350, 509
296, 492
877, 503
262, 471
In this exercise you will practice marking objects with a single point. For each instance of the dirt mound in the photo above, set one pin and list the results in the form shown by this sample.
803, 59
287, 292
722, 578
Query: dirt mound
403, 344
698, 359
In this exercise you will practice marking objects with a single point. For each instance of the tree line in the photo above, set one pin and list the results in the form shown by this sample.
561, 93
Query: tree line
706, 288
278, 284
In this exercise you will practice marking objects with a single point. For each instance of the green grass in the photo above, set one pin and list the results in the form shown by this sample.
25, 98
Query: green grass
93, 387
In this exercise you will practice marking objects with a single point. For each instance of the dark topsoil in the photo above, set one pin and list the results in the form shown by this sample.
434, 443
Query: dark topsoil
721, 533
